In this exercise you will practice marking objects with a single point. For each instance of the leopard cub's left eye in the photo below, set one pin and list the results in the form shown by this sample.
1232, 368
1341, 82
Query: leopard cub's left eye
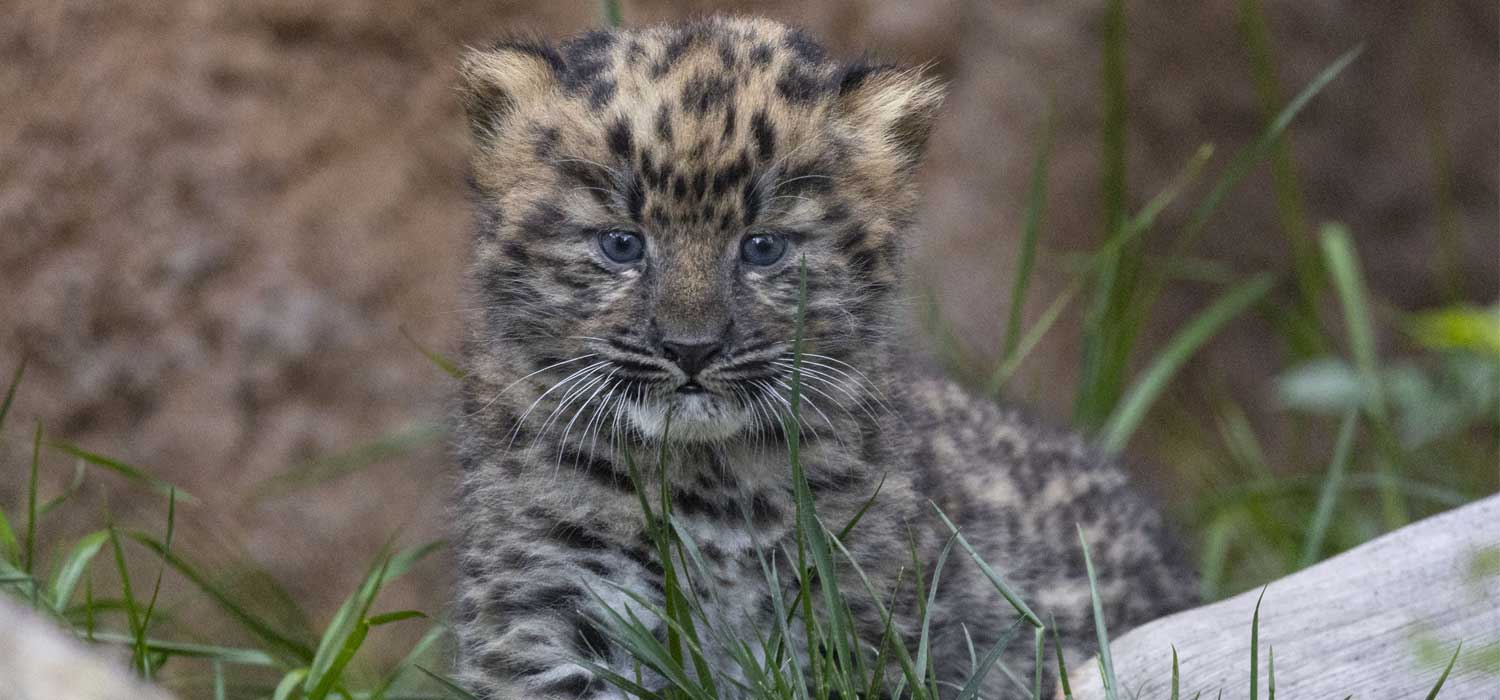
622, 246
762, 249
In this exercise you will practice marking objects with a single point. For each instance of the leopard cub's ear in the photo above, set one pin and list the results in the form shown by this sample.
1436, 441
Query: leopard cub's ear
893, 105
494, 81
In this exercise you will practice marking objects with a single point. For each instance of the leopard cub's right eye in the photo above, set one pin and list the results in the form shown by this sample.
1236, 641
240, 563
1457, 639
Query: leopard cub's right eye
622, 246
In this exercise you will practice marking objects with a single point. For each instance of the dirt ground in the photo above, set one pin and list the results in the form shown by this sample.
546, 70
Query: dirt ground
216, 219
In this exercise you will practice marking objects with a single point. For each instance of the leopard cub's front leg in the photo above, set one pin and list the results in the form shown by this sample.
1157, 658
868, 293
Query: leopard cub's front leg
531, 607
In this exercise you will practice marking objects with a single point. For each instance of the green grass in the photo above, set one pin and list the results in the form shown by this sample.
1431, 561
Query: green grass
1410, 403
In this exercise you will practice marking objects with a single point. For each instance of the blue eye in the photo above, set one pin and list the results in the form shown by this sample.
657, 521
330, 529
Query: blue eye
622, 246
762, 249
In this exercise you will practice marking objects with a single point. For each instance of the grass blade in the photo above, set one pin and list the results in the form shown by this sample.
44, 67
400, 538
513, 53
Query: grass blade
995, 579
433, 634
1138, 401
971, 689
1096, 262
73, 567
1036, 668
1443, 678
1328, 496
1106, 662
1343, 266
1343, 263
36, 453
1105, 341
449, 367
80, 470
1271, 673
167, 544
219, 654
448, 685
1247, 158
10, 391
1284, 184
326, 468
288, 684
139, 657
612, 13
1255, 647
129, 472
1062, 667
1036, 205
10, 548
282, 643
1174, 673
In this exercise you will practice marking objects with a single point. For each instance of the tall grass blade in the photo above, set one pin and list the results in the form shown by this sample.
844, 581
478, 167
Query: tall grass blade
1106, 661
288, 684
1036, 667
1271, 673
281, 643
449, 367
1288, 192
1248, 157
237, 656
448, 685
31, 499
612, 14
1233, 175
1342, 261
220, 691
1255, 647
167, 543
1102, 370
80, 471
1062, 667
1343, 265
130, 472
1138, 401
994, 577
10, 391
346, 631
323, 469
415, 654
1174, 695
139, 657
1444, 678
1333, 482
10, 548
1036, 205
971, 689
73, 567
1097, 261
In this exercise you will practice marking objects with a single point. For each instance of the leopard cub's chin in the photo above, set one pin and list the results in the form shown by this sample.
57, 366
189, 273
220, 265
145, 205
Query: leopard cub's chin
696, 417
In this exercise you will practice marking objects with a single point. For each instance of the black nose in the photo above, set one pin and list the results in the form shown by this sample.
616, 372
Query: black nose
691, 357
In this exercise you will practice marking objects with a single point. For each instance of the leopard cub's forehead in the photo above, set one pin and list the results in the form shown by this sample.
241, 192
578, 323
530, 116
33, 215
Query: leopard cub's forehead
696, 85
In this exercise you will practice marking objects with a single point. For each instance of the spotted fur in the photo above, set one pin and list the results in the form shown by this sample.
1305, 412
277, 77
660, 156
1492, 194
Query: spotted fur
694, 137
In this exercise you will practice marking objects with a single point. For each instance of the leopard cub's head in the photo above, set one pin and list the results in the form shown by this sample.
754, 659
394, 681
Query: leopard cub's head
649, 200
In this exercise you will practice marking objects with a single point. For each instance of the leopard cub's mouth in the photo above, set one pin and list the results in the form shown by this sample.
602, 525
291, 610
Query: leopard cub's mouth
697, 414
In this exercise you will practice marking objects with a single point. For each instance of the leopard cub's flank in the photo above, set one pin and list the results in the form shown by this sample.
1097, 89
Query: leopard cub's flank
647, 200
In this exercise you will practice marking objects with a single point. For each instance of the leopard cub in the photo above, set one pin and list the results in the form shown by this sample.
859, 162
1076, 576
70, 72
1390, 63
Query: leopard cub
649, 202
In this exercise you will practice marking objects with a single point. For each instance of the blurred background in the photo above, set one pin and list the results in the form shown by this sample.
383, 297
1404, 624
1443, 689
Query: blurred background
231, 229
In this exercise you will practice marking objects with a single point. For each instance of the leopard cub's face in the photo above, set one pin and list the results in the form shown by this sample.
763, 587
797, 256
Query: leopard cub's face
649, 202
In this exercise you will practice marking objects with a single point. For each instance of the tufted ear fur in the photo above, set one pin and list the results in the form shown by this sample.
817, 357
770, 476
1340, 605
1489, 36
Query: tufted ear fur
894, 105
498, 79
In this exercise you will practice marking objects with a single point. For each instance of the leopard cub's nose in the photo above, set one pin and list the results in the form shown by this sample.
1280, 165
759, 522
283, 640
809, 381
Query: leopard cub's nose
691, 357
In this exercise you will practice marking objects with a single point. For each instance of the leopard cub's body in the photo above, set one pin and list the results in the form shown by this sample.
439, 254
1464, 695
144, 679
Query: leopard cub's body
648, 203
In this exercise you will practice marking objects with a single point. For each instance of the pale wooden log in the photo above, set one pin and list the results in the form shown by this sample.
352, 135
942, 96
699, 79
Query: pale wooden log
39, 661
1353, 624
